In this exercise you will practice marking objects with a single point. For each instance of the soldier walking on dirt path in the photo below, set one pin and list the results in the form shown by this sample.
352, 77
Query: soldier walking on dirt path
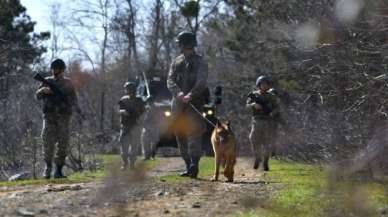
265, 110
131, 108
187, 81
57, 111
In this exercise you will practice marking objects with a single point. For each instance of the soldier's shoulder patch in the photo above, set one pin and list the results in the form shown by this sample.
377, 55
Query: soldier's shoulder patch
124, 98
251, 94
49, 77
179, 59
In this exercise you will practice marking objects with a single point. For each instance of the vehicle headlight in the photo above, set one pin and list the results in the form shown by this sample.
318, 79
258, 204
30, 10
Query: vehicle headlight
204, 114
167, 113
210, 112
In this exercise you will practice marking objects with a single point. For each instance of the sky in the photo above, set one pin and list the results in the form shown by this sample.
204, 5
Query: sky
37, 10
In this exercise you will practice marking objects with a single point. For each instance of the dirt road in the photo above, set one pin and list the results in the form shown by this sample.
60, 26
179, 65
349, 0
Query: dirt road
140, 194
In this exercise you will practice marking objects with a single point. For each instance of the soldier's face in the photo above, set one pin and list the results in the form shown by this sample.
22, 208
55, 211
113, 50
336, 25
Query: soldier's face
56, 72
264, 86
186, 49
129, 92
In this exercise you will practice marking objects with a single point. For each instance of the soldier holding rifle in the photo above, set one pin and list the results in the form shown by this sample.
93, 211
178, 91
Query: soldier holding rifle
59, 98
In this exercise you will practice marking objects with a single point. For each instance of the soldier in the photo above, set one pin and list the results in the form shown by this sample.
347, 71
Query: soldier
265, 111
131, 108
187, 80
56, 118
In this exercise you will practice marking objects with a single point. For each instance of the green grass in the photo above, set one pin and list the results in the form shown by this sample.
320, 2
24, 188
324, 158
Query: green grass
206, 166
306, 190
86, 176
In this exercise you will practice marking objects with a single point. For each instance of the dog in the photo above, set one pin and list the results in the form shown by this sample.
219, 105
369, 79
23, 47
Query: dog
225, 150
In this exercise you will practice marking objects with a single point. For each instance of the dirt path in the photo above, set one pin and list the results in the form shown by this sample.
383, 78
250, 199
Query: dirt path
139, 194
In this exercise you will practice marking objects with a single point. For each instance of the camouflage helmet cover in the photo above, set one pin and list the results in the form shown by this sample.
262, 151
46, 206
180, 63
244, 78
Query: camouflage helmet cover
262, 79
58, 64
130, 86
186, 38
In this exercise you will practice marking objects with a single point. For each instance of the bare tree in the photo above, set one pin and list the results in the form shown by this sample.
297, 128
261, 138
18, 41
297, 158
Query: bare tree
95, 16
55, 11
154, 37
124, 25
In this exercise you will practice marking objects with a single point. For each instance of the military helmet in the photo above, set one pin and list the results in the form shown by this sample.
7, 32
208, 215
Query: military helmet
130, 86
58, 64
262, 79
186, 38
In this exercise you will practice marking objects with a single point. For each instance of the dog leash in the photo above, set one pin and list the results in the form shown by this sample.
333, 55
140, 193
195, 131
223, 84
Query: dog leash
200, 114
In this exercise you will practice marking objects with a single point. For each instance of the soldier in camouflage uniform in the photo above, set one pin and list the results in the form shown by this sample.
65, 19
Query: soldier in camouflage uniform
131, 108
265, 111
187, 81
56, 118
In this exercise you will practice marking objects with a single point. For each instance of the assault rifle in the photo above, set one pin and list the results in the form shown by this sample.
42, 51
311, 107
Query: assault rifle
57, 92
54, 88
257, 99
147, 87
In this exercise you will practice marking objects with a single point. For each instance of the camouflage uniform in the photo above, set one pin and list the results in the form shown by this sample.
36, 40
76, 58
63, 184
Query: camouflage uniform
264, 126
56, 120
130, 131
188, 75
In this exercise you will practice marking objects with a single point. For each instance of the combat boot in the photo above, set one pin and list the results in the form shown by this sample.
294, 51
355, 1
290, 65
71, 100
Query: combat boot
186, 172
265, 164
124, 166
257, 163
147, 156
47, 170
58, 172
193, 171
132, 163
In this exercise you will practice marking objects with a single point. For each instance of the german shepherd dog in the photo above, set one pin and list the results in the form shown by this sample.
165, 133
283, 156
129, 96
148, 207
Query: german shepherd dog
224, 146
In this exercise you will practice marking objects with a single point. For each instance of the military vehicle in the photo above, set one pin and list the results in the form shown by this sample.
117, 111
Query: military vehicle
157, 95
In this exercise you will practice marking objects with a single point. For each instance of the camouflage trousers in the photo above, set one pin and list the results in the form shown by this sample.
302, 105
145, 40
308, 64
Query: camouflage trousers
263, 136
55, 131
149, 139
189, 128
129, 141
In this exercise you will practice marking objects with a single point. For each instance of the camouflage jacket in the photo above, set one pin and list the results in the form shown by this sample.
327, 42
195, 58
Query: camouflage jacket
188, 75
268, 102
134, 107
53, 104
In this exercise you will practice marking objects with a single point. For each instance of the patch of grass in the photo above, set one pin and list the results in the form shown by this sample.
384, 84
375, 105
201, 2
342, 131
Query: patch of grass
36, 182
206, 166
78, 177
306, 190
